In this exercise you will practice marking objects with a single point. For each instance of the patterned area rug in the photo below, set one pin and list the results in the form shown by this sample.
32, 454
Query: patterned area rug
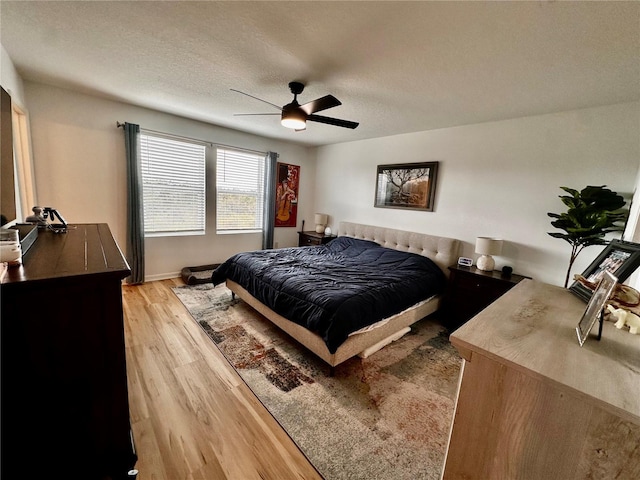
386, 416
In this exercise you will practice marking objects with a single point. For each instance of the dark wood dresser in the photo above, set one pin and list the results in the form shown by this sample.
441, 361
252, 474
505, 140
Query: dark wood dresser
65, 407
470, 290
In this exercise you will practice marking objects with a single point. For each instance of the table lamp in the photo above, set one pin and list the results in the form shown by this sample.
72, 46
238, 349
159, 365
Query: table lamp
321, 222
487, 246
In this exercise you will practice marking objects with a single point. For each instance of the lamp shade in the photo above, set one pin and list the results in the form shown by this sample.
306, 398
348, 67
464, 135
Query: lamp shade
321, 222
488, 246
321, 218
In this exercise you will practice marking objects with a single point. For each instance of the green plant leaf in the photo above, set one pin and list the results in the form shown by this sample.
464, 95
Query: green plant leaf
573, 192
592, 213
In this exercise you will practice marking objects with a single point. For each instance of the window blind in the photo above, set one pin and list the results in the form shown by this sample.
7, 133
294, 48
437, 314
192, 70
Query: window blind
173, 182
239, 190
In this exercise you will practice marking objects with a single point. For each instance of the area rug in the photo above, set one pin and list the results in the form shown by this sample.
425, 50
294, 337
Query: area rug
386, 416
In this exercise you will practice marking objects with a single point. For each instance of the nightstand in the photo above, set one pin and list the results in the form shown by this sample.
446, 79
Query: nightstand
471, 290
312, 238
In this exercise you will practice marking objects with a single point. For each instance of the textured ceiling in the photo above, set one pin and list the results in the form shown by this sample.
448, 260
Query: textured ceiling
397, 67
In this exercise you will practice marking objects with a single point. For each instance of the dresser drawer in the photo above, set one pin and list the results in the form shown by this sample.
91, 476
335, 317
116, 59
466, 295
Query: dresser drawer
306, 240
478, 286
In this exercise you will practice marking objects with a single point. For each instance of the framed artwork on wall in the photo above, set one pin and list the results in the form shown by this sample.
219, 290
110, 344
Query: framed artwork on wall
410, 186
619, 258
288, 181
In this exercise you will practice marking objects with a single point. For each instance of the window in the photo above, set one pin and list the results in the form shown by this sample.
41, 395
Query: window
240, 190
173, 183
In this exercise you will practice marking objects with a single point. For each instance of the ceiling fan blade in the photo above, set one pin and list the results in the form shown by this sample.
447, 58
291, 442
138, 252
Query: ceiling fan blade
332, 121
319, 104
245, 114
272, 104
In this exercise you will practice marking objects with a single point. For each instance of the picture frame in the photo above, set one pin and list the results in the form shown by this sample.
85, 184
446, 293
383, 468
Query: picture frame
287, 191
619, 257
594, 308
409, 186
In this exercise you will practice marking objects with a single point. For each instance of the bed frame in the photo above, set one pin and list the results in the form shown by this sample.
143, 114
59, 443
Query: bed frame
443, 251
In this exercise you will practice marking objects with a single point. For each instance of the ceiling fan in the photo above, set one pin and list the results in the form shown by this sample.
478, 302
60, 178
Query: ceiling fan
295, 116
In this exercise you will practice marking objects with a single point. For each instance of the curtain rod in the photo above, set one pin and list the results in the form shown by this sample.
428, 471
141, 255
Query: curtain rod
121, 125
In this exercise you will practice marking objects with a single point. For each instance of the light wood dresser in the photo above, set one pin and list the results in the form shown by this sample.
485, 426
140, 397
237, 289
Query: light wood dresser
533, 404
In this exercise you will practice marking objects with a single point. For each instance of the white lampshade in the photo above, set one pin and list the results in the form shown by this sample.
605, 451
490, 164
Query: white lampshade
321, 218
321, 221
487, 246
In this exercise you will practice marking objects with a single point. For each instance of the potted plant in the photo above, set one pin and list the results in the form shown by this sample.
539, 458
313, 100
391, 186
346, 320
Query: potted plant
592, 213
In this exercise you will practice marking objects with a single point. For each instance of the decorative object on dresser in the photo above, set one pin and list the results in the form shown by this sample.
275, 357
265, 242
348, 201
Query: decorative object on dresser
618, 257
308, 238
534, 404
321, 220
592, 213
595, 308
10, 248
465, 261
410, 186
625, 318
51, 214
470, 290
37, 217
64, 378
486, 247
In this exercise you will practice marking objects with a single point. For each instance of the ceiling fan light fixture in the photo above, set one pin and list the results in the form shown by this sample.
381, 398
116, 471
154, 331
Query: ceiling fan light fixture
294, 123
294, 118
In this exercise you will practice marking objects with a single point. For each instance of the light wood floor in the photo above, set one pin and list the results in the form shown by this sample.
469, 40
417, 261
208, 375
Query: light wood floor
191, 414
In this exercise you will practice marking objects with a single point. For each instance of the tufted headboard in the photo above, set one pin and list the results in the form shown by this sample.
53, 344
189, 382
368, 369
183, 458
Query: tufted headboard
442, 250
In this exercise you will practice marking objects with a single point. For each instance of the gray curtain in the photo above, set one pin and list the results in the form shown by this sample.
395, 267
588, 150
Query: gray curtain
269, 215
135, 212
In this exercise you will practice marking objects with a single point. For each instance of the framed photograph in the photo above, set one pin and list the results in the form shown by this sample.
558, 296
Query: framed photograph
410, 186
595, 305
619, 258
288, 182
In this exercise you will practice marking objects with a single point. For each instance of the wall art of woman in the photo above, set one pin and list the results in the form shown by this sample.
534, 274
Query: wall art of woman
287, 195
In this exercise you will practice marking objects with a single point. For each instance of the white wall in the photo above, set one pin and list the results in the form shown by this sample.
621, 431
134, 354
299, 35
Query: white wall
79, 159
9, 78
495, 179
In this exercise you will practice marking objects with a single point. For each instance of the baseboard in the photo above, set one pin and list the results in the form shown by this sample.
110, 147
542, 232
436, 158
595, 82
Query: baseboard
161, 276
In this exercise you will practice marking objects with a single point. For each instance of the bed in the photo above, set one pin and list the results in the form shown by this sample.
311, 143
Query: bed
333, 299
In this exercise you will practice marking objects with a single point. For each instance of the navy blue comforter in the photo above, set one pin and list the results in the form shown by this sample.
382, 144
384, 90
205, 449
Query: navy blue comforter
336, 288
